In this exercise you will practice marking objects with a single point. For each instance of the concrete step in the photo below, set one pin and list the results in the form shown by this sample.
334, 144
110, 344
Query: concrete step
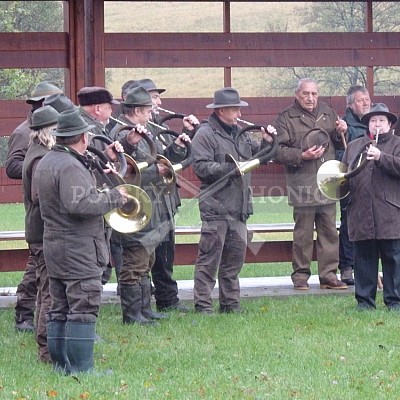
250, 287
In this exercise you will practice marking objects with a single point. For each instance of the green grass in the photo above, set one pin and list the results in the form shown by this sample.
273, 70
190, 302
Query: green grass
300, 347
297, 347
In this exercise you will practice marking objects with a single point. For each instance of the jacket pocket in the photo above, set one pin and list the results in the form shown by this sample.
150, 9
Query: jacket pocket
101, 253
394, 201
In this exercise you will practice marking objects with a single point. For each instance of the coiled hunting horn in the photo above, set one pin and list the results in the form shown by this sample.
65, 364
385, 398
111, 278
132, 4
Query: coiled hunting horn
262, 157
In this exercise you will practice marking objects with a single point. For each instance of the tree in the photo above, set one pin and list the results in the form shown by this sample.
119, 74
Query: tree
28, 16
344, 17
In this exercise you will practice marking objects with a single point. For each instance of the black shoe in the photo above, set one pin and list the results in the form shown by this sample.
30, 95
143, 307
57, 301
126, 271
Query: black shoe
25, 326
346, 276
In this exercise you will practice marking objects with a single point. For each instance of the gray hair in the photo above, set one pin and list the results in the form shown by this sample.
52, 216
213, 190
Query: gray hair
44, 136
352, 91
304, 80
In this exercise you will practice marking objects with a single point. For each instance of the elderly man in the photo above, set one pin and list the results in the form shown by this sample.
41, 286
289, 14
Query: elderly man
225, 203
358, 104
308, 131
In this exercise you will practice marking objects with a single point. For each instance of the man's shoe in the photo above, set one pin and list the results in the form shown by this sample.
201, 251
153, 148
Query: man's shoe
25, 326
301, 285
335, 284
346, 276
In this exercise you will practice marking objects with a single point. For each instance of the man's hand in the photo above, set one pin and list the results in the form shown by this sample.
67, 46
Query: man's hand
341, 126
181, 139
112, 149
313, 153
269, 133
134, 136
190, 122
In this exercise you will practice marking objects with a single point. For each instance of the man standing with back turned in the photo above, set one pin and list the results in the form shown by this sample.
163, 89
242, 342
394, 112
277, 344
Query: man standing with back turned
307, 131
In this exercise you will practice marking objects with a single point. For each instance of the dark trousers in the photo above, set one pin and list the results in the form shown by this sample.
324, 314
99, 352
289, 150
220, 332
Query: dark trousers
346, 247
366, 267
166, 288
137, 262
26, 292
75, 300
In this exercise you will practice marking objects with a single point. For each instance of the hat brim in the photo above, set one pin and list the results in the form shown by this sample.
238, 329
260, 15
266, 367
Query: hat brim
149, 104
391, 117
75, 132
41, 126
113, 101
36, 99
241, 104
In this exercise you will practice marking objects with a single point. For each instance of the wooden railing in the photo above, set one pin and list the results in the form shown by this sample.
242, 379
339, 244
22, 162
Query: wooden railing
258, 251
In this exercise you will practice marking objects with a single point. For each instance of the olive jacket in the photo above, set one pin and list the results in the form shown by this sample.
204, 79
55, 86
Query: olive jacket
292, 125
72, 208
223, 194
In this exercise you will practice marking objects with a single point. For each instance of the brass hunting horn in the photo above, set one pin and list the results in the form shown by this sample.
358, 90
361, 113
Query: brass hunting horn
262, 157
333, 176
135, 214
168, 181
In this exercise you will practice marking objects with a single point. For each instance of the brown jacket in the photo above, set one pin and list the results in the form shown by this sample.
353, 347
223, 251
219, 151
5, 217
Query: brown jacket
292, 125
374, 208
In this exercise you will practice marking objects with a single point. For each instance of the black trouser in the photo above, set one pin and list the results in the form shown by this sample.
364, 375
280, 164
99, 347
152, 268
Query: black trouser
346, 247
366, 266
166, 288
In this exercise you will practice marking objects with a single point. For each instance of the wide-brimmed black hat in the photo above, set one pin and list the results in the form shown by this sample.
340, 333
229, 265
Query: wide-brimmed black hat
138, 96
60, 102
43, 90
43, 117
379, 109
227, 97
148, 84
71, 123
95, 95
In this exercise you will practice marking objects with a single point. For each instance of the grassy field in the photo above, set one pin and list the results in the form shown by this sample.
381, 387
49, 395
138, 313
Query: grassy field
300, 347
297, 347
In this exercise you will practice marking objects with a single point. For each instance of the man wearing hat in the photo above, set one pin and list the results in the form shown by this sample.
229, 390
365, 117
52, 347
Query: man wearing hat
60, 102
225, 202
374, 211
139, 248
17, 147
96, 108
310, 208
44, 120
165, 287
74, 245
